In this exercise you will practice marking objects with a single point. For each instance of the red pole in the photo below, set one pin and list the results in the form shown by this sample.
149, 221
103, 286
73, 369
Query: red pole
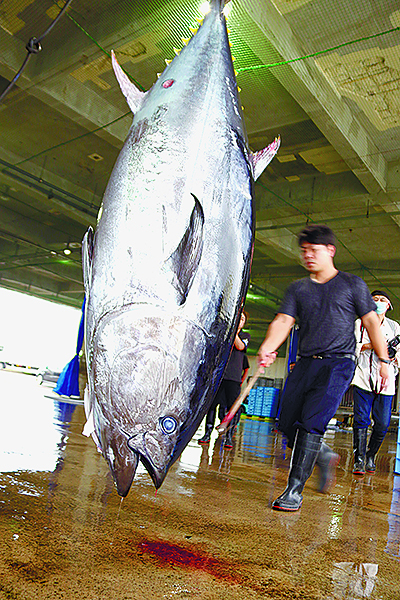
223, 426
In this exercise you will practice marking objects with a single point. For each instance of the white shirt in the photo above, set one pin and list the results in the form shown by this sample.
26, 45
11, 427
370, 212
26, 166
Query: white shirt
368, 364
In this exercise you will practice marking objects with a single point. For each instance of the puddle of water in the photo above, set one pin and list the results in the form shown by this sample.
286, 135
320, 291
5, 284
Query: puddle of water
208, 532
33, 428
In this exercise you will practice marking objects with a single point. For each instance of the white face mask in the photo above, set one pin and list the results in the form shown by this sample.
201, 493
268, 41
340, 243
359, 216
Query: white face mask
381, 307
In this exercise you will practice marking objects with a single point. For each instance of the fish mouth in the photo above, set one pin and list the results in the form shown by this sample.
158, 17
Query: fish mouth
142, 388
137, 444
123, 455
123, 462
124, 477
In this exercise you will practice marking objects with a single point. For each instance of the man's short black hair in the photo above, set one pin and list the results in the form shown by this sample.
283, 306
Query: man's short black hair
317, 234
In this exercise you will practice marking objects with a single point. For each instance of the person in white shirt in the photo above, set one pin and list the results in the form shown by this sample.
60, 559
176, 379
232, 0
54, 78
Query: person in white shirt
368, 394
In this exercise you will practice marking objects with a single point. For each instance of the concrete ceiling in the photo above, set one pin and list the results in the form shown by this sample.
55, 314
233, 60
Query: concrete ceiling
338, 114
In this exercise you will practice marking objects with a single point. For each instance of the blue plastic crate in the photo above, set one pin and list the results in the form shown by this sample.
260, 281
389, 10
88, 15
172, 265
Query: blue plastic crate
270, 404
269, 412
250, 409
271, 392
263, 402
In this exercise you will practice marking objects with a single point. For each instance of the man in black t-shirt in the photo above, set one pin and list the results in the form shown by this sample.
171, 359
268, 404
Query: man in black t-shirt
229, 388
325, 305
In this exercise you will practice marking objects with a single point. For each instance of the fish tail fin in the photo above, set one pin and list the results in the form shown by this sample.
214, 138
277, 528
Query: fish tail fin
219, 3
261, 159
133, 95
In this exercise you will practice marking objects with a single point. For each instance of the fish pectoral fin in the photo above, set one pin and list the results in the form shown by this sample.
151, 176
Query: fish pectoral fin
261, 159
133, 95
184, 261
87, 255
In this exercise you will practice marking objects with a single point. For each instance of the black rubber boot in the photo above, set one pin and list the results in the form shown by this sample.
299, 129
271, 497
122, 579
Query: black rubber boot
327, 461
206, 437
304, 456
360, 447
375, 443
228, 443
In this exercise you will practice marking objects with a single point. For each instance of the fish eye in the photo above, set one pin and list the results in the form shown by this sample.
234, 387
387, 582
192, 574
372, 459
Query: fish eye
168, 424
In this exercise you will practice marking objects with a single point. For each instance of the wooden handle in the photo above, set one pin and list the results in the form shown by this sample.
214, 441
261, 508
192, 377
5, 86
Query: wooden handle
223, 426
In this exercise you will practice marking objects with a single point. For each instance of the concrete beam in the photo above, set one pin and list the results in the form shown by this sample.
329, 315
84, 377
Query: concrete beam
388, 267
41, 287
320, 100
33, 231
38, 183
66, 94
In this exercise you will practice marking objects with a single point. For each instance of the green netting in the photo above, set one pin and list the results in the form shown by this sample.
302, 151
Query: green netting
349, 49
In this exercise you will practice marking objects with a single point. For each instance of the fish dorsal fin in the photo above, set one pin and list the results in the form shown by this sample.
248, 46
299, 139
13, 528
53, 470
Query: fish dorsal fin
261, 159
133, 96
184, 261
87, 255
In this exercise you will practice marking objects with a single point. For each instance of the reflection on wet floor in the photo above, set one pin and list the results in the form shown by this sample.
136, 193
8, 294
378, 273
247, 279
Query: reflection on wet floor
209, 532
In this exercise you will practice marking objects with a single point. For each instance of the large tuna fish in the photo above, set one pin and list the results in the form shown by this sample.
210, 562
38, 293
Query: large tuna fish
167, 270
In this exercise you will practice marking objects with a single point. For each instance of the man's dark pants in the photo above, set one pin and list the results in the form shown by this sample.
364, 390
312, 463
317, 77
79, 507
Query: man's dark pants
380, 405
226, 395
312, 394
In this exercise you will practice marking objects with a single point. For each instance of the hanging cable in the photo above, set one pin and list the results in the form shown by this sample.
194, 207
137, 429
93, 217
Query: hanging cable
105, 51
78, 137
314, 54
239, 70
33, 47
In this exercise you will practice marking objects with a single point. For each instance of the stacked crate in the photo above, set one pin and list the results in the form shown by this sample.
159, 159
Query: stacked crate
256, 437
263, 402
270, 404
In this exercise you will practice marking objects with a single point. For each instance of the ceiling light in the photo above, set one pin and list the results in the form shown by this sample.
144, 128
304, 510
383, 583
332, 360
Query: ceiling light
286, 158
228, 9
96, 157
67, 251
204, 8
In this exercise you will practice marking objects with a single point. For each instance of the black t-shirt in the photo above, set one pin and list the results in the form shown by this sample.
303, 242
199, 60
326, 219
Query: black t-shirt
326, 312
234, 369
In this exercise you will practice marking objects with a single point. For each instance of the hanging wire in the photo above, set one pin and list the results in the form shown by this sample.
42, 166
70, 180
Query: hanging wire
331, 49
73, 139
33, 47
103, 50
238, 70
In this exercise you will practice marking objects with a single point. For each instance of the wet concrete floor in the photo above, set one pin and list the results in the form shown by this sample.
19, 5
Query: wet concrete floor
209, 532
